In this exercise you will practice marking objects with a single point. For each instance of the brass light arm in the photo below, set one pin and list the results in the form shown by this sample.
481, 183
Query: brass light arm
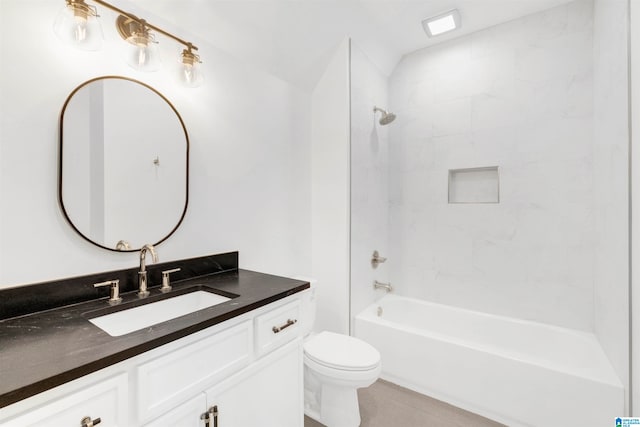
189, 45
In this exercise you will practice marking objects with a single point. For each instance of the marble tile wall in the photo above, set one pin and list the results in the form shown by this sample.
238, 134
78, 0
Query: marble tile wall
517, 96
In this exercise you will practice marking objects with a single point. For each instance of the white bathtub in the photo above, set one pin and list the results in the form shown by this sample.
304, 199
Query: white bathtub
516, 372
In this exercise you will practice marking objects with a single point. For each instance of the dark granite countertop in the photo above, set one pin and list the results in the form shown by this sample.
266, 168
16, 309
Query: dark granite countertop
48, 348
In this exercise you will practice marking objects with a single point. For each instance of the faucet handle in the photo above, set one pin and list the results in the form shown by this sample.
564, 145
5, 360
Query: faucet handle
377, 259
166, 286
123, 245
114, 297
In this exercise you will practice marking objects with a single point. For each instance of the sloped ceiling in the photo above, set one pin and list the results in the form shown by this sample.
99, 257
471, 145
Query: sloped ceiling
293, 39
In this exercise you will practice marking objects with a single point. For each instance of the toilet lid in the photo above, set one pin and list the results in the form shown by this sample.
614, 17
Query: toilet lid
341, 352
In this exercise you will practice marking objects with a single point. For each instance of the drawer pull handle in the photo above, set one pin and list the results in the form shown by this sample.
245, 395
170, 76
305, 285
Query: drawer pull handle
290, 322
88, 422
211, 414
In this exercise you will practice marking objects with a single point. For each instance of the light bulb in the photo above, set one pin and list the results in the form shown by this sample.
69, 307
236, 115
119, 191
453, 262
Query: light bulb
143, 57
80, 30
142, 52
76, 25
190, 74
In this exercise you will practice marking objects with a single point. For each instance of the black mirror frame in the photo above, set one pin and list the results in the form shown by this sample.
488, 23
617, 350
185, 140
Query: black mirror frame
60, 159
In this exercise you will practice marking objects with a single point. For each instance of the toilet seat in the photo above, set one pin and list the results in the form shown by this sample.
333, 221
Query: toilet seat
341, 352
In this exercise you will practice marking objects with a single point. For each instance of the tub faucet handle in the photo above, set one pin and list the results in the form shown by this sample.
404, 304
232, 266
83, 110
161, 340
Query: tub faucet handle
376, 259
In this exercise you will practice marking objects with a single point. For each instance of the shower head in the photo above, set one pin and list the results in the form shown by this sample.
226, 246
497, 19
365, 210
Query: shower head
386, 116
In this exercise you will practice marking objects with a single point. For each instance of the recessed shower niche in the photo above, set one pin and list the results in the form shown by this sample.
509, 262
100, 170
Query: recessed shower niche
474, 185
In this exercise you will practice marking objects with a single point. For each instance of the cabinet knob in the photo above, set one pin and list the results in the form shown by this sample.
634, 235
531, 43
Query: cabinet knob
88, 422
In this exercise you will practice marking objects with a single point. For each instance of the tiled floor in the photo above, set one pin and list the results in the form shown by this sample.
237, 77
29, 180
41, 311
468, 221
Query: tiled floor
385, 404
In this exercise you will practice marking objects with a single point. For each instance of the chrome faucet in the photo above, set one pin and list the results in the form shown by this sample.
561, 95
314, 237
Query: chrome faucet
380, 285
142, 274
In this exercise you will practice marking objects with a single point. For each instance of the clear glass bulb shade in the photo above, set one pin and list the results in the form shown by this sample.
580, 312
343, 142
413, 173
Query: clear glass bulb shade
77, 28
143, 58
190, 75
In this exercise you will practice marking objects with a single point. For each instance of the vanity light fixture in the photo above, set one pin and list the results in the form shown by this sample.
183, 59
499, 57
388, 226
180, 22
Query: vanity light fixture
142, 53
77, 25
442, 23
190, 73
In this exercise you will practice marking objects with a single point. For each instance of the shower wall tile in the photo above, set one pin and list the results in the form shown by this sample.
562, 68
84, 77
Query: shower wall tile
498, 39
518, 96
452, 117
493, 74
493, 112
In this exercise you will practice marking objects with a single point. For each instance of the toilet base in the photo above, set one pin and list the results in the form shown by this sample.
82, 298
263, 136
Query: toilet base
339, 407
334, 405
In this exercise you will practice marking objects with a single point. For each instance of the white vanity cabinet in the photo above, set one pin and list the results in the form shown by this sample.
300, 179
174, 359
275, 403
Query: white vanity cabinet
167, 379
105, 400
269, 393
249, 367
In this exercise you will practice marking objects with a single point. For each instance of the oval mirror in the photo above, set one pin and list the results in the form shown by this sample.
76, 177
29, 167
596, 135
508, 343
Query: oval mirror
124, 164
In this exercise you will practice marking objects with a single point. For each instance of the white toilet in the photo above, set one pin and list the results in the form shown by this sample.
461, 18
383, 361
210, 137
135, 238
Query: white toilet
335, 366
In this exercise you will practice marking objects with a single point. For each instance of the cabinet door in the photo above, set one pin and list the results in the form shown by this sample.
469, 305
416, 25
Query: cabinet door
186, 415
269, 393
106, 400
167, 380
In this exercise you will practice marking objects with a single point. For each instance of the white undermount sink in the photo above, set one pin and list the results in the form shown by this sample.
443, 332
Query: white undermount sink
133, 319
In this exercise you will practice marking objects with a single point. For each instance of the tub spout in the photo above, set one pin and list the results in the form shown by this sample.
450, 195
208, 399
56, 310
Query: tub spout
380, 285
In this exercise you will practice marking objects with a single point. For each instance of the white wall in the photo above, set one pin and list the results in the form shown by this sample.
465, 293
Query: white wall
611, 182
518, 96
369, 180
249, 133
330, 192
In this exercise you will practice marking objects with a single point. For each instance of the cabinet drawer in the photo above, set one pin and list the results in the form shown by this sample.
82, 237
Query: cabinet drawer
277, 327
173, 378
106, 400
